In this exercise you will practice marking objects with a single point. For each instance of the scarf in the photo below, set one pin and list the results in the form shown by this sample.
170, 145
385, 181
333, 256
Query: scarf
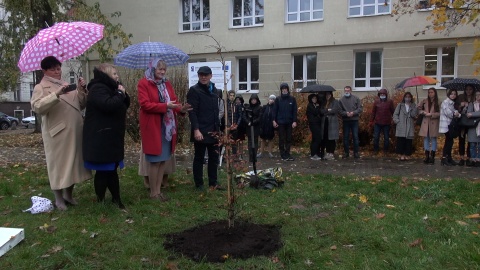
164, 97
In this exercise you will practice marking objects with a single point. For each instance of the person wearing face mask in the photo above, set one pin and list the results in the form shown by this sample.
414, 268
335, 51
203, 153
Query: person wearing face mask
285, 120
462, 103
267, 131
350, 109
430, 110
381, 119
404, 118
447, 114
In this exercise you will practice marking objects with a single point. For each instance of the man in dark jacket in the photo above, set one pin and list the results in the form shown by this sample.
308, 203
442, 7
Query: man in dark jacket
350, 110
205, 124
285, 120
381, 119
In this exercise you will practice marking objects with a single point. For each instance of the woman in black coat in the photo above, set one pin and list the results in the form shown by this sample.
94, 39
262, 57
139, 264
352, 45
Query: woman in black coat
267, 131
104, 130
253, 115
314, 117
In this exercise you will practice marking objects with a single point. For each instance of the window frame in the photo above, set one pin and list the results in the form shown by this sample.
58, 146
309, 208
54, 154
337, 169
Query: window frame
202, 21
249, 81
368, 78
307, 81
299, 12
362, 6
439, 60
242, 17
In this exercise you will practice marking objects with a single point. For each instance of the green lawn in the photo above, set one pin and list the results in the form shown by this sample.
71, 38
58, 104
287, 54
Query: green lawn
327, 222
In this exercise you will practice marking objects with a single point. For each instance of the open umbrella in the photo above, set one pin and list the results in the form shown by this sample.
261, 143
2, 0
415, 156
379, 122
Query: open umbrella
62, 40
459, 84
139, 55
416, 81
315, 88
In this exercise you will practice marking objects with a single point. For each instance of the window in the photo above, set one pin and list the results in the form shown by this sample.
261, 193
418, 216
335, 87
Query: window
247, 13
304, 10
17, 94
248, 74
72, 77
304, 70
440, 63
368, 70
195, 15
358, 8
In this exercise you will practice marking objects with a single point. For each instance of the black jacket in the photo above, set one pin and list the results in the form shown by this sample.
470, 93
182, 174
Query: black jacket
285, 110
314, 111
204, 113
104, 126
253, 114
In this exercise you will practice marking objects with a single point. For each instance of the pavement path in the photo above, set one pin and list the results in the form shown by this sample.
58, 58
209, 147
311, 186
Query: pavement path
364, 167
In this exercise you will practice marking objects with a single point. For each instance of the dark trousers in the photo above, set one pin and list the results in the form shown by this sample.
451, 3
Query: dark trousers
104, 180
376, 137
284, 139
212, 165
350, 126
404, 146
316, 130
461, 143
447, 146
252, 149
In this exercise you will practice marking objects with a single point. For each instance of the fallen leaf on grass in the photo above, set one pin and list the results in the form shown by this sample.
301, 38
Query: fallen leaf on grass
348, 246
417, 242
458, 203
363, 198
48, 228
380, 215
55, 249
93, 235
390, 206
308, 262
275, 259
463, 223
129, 221
84, 231
36, 243
55, 218
144, 260
475, 233
333, 247
473, 216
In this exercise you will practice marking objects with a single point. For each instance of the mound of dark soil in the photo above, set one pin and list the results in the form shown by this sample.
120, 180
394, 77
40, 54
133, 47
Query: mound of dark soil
215, 242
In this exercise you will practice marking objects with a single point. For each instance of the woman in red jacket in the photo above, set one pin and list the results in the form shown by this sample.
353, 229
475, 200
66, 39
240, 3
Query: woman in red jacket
158, 124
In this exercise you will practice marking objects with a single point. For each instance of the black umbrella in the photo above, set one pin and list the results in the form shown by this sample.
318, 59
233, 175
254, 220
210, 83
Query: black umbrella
315, 88
459, 84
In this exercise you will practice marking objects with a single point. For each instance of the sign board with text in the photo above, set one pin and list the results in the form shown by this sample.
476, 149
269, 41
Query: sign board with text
217, 73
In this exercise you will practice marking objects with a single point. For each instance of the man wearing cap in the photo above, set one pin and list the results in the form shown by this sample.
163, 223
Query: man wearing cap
204, 123
285, 120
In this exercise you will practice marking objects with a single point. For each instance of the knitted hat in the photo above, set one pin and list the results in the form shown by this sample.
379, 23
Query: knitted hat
272, 97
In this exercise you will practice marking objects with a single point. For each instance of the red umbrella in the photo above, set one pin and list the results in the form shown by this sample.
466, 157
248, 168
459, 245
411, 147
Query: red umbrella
62, 40
416, 81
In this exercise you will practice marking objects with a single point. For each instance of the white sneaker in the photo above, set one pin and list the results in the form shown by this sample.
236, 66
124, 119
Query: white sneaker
315, 157
329, 156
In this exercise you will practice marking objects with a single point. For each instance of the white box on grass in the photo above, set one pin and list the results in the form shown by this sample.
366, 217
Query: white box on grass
10, 237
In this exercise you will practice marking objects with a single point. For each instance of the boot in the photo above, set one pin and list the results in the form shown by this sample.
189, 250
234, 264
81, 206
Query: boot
100, 183
427, 157
114, 187
432, 157
451, 161
444, 162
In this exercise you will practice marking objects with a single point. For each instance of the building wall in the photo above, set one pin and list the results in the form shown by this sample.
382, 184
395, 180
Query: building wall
335, 40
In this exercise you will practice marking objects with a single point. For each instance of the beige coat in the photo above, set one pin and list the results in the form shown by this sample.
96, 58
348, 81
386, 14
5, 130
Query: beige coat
62, 125
429, 125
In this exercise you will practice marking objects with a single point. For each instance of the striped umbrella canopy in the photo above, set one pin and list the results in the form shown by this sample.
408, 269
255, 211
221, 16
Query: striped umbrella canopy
138, 56
416, 81
460, 84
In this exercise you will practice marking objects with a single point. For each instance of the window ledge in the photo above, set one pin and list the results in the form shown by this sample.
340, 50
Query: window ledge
194, 31
310, 21
372, 15
249, 26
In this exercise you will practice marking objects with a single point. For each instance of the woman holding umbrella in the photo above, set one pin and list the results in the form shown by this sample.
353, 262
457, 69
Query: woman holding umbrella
447, 114
158, 124
62, 125
463, 101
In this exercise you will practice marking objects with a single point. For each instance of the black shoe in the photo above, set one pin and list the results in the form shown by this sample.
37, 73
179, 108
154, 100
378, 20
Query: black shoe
345, 155
284, 157
470, 163
461, 162
453, 162
444, 162
356, 156
119, 203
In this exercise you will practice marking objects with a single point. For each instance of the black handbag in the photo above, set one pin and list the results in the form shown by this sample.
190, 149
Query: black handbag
419, 120
468, 122
454, 128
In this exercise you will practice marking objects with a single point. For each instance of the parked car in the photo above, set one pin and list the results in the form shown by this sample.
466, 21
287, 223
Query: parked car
12, 119
28, 121
4, 122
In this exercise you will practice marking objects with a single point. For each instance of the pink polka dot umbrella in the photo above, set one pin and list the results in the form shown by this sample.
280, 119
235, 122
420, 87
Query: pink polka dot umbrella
63, 40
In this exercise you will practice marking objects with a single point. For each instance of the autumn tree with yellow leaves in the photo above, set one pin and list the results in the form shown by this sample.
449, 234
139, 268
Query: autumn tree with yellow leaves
445, 17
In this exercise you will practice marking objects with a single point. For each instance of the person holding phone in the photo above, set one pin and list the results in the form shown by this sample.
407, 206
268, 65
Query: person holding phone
104, 131
62, 125
158, 124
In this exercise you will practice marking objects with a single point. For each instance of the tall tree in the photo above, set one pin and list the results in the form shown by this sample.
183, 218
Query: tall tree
24, 18
445, 17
